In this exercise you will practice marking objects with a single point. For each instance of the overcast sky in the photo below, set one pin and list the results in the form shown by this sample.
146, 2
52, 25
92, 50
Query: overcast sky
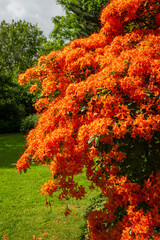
34, 11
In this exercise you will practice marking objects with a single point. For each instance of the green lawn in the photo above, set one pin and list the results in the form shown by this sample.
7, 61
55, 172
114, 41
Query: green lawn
23, 212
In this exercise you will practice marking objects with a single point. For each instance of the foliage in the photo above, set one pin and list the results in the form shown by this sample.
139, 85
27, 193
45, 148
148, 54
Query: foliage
81, 19
100, 109
28, 123
15, 103
10, 116
19, 45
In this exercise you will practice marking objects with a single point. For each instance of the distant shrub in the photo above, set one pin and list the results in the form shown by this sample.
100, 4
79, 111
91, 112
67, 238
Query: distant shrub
29, 123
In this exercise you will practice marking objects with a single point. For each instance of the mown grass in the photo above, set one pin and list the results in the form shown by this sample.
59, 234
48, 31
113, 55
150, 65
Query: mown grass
23, 212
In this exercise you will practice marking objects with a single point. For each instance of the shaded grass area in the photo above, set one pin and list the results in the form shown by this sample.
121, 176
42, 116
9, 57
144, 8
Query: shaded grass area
11, 148
23, 211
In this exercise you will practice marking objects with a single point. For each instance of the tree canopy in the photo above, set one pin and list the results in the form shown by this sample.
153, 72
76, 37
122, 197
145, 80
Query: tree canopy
82, 18
20, 43
100, 104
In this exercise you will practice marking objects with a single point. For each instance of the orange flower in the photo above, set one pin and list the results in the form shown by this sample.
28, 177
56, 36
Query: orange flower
49, 188
45, 234
5, 237
67, 211
33, 88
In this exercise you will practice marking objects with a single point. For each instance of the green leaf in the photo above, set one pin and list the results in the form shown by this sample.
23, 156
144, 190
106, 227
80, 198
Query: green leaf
126, 62
83, 109
56, 175
96, 141
91, 139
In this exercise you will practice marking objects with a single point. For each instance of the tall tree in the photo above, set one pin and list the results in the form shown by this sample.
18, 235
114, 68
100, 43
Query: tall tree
20, 43
81, 19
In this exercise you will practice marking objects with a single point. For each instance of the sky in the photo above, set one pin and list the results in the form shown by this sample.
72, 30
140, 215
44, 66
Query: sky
34, 11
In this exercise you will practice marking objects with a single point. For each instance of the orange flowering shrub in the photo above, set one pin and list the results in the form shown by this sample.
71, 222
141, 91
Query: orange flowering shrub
100, 105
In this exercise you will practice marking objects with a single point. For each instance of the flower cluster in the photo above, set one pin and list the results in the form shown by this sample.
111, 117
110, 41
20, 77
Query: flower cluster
5, 237
100, 110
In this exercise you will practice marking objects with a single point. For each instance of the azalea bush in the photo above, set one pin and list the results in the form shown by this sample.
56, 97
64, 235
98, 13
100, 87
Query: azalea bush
100, 110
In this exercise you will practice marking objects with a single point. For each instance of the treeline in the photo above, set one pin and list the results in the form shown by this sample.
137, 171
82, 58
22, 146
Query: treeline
21, 43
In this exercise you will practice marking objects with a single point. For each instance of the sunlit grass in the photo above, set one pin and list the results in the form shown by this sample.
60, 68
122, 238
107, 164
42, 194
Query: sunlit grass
23, 211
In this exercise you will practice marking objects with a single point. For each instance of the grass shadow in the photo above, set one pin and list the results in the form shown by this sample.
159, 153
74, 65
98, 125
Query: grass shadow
11, 148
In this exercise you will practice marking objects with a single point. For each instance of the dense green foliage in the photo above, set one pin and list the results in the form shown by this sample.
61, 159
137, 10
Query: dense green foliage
81, 19
29, 123
15, 103
20, 43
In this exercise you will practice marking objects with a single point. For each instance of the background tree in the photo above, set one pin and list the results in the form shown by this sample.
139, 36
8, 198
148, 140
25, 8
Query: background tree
81, 19
20, 43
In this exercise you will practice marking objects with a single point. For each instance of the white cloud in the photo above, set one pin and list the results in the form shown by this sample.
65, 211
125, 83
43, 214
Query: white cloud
15, 8
34, 11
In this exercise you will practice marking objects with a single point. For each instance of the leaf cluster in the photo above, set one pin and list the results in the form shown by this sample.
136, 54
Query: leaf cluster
20, 43
81, 19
